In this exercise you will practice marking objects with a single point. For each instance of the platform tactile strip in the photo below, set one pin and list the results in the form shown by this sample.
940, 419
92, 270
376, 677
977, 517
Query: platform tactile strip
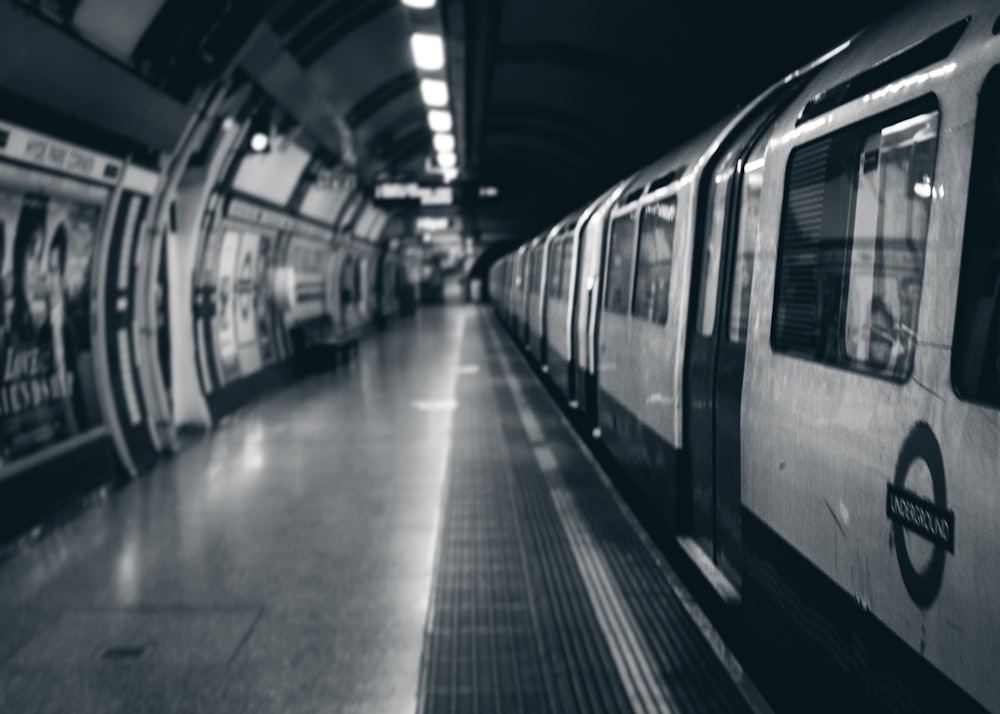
511, 627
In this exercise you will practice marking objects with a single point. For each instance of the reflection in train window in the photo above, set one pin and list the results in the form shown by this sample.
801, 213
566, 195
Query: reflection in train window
851, 255
567, 266
975, 364
656, 249
620, 253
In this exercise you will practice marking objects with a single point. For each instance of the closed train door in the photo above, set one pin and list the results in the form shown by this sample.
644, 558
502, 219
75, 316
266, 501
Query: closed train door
729, 206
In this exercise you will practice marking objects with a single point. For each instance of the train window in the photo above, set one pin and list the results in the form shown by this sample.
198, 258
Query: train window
975, 367
567, 266
554, 269
712, 247
753, 183
534, 279
851, 253
620, 255
656, 250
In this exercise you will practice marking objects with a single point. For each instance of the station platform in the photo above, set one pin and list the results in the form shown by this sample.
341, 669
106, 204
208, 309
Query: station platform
417, 531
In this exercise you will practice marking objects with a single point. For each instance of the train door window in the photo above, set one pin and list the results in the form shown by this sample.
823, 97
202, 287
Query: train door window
851, 252
750, 191
718, 196
555, 269
558, 256
976, 355
655, 259
536, 283
567, 266
621, 252
532, 271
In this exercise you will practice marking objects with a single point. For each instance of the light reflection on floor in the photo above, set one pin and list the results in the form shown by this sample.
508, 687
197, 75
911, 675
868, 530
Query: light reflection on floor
310, 519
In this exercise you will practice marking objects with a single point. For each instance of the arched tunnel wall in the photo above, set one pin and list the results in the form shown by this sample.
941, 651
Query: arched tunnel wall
156, 274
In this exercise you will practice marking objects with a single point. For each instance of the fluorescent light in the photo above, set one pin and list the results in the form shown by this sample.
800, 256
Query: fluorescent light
428, 50
444, 142
434, 92
420, 4
259, 141
440, 120
450, 175
447, 159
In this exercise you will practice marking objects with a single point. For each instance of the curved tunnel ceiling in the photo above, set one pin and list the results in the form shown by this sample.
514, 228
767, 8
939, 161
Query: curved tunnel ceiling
566, 96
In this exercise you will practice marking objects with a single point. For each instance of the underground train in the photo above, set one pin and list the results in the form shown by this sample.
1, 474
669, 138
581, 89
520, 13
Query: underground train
787, 333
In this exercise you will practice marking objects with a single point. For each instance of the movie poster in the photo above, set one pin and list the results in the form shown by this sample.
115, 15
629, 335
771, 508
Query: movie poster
264, 300
244, 308
48, 232
246, 283
225, 330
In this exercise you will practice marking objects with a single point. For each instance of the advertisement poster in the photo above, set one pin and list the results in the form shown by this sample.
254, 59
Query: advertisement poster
225, 329
246, 287
49, 227
264, 301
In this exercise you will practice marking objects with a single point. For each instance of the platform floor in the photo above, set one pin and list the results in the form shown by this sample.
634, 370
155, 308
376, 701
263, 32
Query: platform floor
416, 531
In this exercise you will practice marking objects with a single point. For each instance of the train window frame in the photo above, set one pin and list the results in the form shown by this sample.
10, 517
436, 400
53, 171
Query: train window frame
535, 281
664, 203
828, 309
628, 271
980, 262
567, 266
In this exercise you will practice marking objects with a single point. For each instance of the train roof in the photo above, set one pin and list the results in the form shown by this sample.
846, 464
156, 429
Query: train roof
910, 46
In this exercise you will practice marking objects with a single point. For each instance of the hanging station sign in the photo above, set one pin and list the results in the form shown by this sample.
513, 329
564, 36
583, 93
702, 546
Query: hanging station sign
412, 191
42, 151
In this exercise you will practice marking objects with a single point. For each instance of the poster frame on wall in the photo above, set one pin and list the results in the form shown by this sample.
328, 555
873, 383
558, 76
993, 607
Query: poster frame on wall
57, 166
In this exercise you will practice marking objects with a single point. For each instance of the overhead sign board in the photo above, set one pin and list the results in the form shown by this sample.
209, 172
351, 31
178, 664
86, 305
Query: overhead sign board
432, 224
426, 195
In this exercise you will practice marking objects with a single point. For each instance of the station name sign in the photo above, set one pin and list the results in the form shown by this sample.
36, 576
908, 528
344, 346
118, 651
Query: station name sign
45, 152
426, 195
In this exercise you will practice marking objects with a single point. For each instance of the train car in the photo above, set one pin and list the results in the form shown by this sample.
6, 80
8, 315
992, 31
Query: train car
808, 314
518, 294
560, 277
586, 296
643, 317
535, 299
870, 422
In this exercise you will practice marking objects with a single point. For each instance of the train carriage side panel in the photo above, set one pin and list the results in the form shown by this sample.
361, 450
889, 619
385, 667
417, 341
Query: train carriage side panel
535, 297
863, 471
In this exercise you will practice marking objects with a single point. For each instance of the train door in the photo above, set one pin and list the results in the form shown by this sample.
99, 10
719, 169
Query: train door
590, 292
729, 207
